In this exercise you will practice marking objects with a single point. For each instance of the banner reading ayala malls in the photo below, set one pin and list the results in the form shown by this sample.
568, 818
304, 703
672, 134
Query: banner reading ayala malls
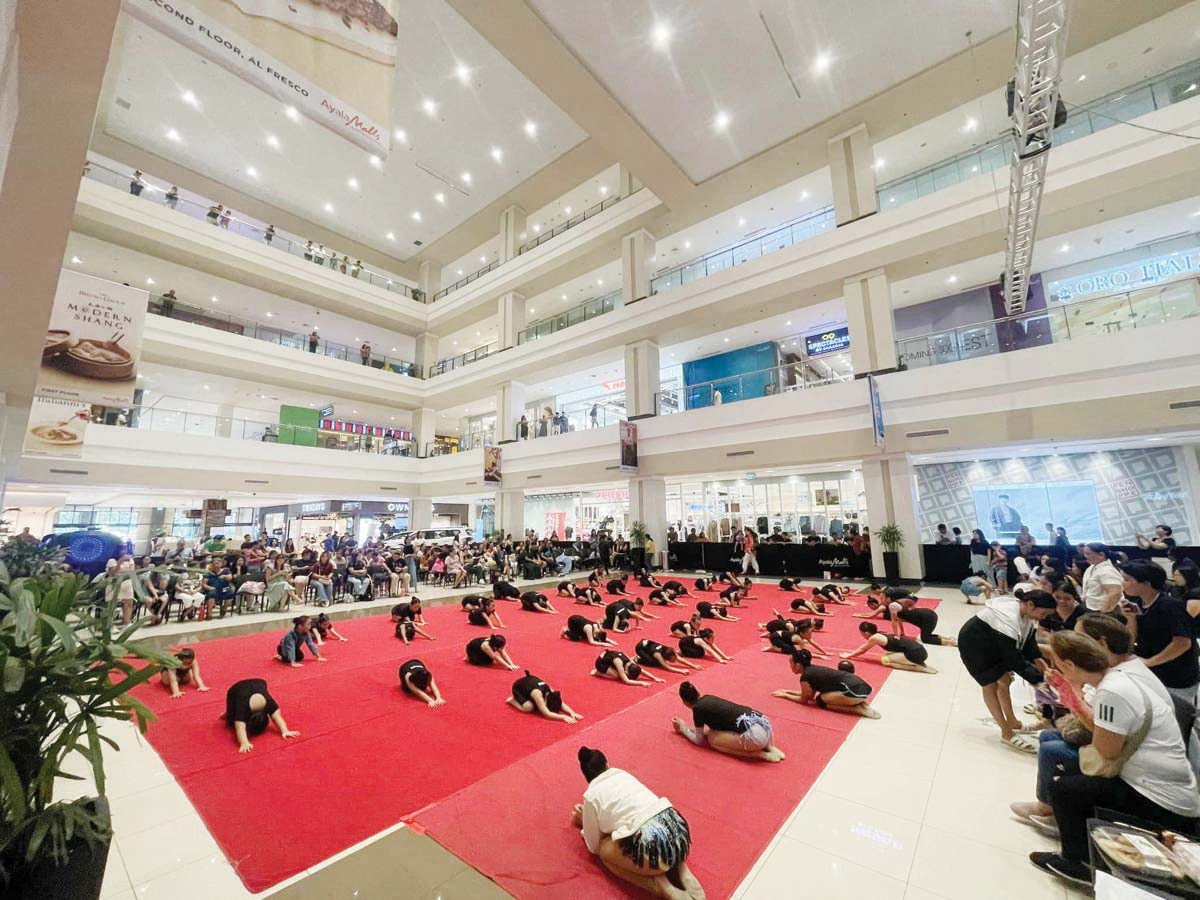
89, 358
307, 53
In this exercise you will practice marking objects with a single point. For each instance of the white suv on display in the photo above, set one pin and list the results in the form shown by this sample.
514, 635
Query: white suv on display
446, 535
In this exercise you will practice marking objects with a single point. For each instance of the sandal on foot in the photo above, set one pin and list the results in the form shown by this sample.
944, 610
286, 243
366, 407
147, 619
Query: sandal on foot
1022, 743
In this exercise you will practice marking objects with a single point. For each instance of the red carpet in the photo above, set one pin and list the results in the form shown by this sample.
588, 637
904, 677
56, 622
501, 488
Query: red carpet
369, 756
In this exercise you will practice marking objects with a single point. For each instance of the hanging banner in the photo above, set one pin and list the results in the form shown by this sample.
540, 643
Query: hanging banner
876, 410
56, 428
94, 341
351, 46
629, 448
556, 526
491, 465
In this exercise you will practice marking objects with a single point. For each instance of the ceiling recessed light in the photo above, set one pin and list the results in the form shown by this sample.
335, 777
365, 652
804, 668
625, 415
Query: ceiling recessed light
567, 210
416, 215
478, 333
721, 121
1064, 248
206, 387
272, 142
531, 128
822, 62
352, 183
687, 245
1190, 88
190, 99
440, 197
971, 124
537, 228
804, 195
391, 235
459, 272
173, 135
953, 279
878, 164
429, 106
741, 221
328, 207
463, 73
375, 161
599, 282
727, 340
400, 135
1081, 78
497, 154
465, 177
292, 113
76, 260
251, 171
789, 321
532, 310
215, 300
270, 314
660, 36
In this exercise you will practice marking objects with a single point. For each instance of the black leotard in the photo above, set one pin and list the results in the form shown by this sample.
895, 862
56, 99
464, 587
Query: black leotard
605, 660
524, 687
575, 626
502, 590
688, 648
413, 665
645, 651
478, 617
617, 613
787, 584
531, 601
475, 652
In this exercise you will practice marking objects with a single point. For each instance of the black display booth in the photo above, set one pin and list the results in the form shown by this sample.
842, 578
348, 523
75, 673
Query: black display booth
793, 560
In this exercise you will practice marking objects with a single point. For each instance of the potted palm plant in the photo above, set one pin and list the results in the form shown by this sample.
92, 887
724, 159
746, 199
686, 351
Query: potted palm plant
892, 539
637, 545
63, 671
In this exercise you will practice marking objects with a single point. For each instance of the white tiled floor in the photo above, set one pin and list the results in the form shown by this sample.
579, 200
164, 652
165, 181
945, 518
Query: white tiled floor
913, 806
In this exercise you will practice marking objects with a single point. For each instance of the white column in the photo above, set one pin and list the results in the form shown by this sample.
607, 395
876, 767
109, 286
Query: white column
637, 250
890, 487
641, 378
626, 182
510, 512
510, 406
424, 429
852, 168
648, 505
429, 279
512, 318
421, 513
512, 224
425, 352
225, 420
871, 321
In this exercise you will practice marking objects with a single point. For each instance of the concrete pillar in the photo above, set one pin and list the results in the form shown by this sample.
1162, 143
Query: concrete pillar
852, 168
510, 406
637, 250
424, 429
225, 420
648, 505
627, 182
429, 279
512, 318
512, 225
421, 513
425, 352
890, 487
641, 378
510, 512
871, 321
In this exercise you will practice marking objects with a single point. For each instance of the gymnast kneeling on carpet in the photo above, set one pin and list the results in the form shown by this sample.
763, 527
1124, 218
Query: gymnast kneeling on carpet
678, 587
323, 630
898, 652
187, 671
482, 613
531, 694
831, 593
664, 596
579, 629
580, 594
417, 680
812, 607
786, 635
705, 582
702, 644
532, 601
706, 610
616, 586
834, 689
689, 628
484, 651
291, 647
652, 653
249, 708
898, 606
502, 590
637, 835
616, 665
619, 615
646, 580
408, 612
734, 595
728, 727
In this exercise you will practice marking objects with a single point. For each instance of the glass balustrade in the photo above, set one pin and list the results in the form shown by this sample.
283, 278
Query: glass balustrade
171, 308
463, 359
582, 415
176, 421
464, 281
201, 209
570, 223
1181, 83
1059, 322
786, 235
746, 386
589, 309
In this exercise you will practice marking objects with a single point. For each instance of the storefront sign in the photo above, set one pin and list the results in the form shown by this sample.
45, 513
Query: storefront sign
316, 508
343, 427
829, 341
217, 42
1131, 276
326, 412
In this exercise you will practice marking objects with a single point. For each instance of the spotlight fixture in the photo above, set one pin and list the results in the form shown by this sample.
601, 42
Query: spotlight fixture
400, 135
661, 35
173, 135
1064, 248
440, 197
463, 73
251, 171
822, 62
292, 113
375, 161
721, 121
429, 106
352, 183
190, 99
971, 124
497, 154
465, 177
391, 235
328, 207
272, 142
531, 128
953, 279
416, 215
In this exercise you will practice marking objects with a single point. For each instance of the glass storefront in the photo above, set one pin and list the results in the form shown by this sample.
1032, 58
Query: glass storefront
141, 526
568, 515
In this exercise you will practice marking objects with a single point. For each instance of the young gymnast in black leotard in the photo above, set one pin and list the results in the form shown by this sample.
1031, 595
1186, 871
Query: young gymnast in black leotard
482, 612
417, 680
616, 665
616, 586
620, 615
686, 628
709, 611
485, 651
678, 587
898, 652
531, 694
702, 644
532, 601
664, 596
581, 630
502, 590
652, 653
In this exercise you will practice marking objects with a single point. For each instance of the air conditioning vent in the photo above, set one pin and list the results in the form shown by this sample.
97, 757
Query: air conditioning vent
384, 487
1185, 404
935, 433
533, 477
123, 103
741, 453
69, 471
256, 481
417, 243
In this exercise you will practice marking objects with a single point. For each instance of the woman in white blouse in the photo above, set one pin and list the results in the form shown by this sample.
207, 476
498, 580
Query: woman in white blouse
637, 835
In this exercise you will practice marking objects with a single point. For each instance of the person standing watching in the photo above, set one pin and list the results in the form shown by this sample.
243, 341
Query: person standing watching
750, 552
313, 340
365, 352
137, 183
1101, 581
1162, 631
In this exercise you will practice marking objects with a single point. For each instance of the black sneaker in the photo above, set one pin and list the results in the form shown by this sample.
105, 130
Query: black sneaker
1071, 870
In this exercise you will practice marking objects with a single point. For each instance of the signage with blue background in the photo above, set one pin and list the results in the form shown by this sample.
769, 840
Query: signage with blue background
829, 341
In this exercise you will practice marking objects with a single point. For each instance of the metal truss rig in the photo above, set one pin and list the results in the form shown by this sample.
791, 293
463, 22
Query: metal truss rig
1041, 51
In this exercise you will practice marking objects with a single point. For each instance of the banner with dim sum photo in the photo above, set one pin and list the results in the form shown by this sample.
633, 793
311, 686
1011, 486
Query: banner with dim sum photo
333, 60
56, 428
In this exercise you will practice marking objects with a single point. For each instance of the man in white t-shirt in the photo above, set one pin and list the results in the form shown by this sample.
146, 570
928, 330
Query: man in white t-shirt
1101, 581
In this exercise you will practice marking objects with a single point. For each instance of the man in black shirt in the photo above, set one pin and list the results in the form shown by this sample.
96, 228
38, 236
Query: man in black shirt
828, 688
1162, 630
726, 727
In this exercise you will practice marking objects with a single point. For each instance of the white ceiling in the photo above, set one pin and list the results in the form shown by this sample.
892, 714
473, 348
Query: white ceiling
718, 58
226, 131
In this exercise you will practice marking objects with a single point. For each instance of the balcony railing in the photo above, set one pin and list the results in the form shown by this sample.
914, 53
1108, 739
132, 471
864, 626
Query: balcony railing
1059, 322
159, 192
719, 260
589, 309
471, 441
595, 412
747, 386
177, 421
578, 219
1140, 98
173, 309
463, 359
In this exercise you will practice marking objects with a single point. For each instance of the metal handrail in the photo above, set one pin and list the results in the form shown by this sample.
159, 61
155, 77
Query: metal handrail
578, 219
775, 380
565, 319
451, 363
463, 282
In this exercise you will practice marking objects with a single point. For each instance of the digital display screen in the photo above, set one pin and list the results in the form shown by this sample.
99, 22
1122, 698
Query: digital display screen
1001, 510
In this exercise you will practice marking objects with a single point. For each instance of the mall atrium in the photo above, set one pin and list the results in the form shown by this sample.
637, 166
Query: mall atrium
345, 302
